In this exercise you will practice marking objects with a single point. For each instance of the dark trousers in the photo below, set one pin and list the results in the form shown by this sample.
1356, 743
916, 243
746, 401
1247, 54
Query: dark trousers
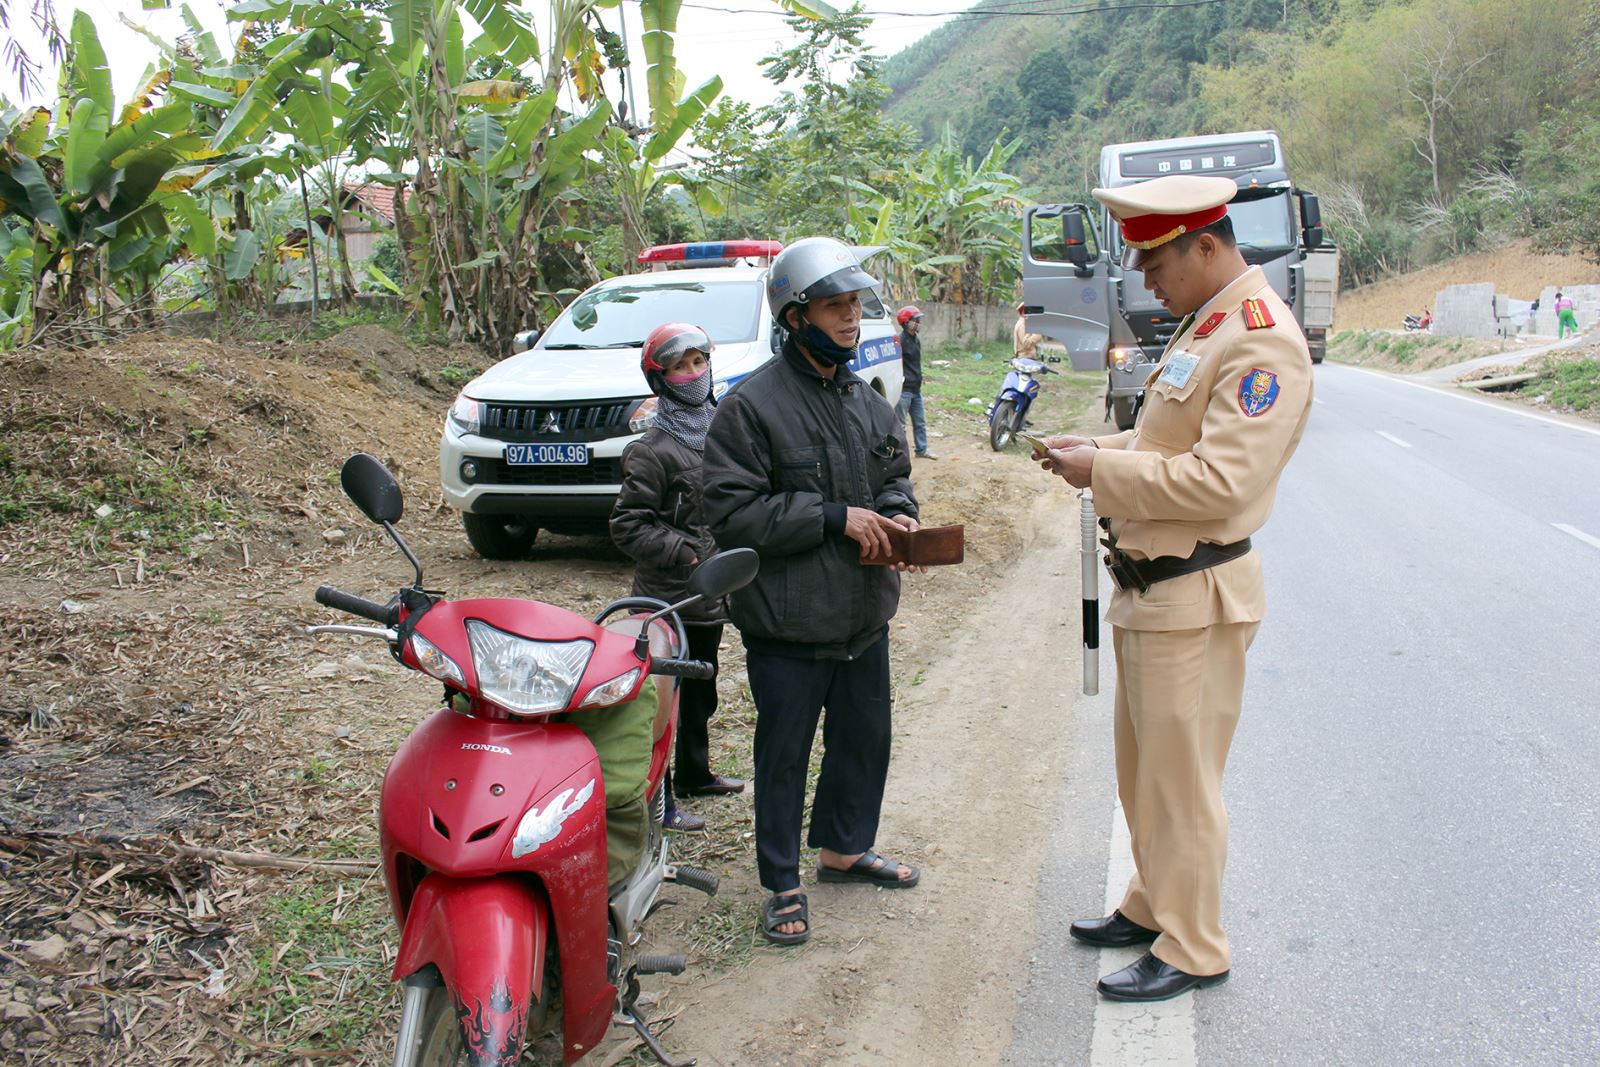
790, 695
697, 702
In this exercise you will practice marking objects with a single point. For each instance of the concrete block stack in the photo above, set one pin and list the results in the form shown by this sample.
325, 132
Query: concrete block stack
1587, 297
1466, 311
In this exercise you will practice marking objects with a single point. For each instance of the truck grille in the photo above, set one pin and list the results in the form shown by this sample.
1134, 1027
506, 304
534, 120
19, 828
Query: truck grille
589, 420
595, 472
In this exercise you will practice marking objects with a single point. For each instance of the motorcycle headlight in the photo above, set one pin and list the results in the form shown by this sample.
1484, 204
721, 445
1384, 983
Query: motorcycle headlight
643, 415
527, 677
612, 692
435, 662
467, 414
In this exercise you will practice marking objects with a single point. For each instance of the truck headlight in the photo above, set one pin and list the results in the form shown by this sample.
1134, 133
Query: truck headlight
1122, 359
467, 414
527, 677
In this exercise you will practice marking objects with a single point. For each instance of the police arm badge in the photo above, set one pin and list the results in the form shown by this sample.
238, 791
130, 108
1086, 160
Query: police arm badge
1258, 390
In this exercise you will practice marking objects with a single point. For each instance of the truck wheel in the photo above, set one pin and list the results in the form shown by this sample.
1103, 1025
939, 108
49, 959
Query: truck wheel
499, 536
1003, 424
1125, 410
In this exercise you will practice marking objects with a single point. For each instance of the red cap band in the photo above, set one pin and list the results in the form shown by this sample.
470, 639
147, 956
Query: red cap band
1152, 231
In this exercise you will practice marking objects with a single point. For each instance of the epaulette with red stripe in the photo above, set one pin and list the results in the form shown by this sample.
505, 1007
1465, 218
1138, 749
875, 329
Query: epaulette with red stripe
1256, 316
1212, 322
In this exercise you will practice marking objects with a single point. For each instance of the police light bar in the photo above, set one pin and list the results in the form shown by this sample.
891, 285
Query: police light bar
710, 251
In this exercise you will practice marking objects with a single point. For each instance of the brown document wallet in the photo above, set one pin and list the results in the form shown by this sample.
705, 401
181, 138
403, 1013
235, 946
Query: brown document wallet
931, 546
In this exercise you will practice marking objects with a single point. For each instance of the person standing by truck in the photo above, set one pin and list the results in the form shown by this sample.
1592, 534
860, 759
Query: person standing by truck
1023, 343
806, 464
658, 521
1180, 495
910, 320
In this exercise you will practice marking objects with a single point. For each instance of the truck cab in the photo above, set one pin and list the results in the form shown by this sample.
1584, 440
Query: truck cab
536, 441
1076, 291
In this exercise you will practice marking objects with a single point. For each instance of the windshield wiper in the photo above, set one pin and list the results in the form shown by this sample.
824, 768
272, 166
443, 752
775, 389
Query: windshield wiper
570, 346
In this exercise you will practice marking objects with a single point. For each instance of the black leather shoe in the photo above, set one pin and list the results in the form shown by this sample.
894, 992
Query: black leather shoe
717, 787
1114, 931
1148, 978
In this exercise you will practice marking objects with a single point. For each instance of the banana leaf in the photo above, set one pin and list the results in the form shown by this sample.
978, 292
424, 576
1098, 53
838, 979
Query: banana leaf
90, 77
242, 256
684, 116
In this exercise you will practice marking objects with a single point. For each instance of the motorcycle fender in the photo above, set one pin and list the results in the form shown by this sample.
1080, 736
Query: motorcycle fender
487, 937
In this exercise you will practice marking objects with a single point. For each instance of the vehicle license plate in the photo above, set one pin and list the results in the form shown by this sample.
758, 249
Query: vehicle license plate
544, 455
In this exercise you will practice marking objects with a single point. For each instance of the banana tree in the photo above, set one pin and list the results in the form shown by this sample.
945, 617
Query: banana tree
92, 183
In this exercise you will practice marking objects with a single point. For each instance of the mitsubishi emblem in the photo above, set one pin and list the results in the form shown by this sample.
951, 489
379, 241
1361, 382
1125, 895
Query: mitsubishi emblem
550, 425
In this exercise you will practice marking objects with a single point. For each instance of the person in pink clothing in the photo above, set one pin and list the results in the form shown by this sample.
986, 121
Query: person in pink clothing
1566, 316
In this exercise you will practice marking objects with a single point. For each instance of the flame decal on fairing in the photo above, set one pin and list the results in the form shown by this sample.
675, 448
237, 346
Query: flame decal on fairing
539, 827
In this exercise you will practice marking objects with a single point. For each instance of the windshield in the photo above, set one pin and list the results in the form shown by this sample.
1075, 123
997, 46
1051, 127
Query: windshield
622, 316
1263, 223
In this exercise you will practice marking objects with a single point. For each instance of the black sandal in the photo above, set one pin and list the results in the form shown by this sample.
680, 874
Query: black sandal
771, 918
872, 869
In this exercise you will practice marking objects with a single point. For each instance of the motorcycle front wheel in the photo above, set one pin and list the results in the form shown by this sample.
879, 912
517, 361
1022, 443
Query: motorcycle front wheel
1003, 425
442, 1046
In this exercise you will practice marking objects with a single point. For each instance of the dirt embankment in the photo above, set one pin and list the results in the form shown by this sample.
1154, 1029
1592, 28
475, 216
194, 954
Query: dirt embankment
1515, 270
169, 507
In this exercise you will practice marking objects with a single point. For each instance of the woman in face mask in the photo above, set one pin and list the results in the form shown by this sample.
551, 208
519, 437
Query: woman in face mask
658, 522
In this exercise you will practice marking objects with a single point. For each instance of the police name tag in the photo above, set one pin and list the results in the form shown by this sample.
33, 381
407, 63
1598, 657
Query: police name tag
1179, 369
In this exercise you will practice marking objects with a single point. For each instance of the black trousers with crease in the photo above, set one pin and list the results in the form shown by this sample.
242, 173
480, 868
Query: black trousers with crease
791, 694
697, 702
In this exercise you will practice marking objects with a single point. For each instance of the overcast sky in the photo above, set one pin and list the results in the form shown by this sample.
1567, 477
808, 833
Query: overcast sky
726, 37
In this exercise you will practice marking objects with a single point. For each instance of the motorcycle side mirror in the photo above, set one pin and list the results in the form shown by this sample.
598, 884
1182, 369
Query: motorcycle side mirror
725, 572
716, 577
371, 488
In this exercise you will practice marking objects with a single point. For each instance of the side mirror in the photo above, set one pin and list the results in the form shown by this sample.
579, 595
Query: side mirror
776, 340
523, 340
370, 486
1310, 211
1313, 238
725, 572
1075, 237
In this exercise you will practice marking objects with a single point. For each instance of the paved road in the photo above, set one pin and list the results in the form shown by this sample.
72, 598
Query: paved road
1414, 875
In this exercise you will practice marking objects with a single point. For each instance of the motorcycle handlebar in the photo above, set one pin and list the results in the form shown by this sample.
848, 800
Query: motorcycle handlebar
684, 668
339, 600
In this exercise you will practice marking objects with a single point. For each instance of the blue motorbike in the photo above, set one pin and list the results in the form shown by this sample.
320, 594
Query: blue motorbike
1009, 411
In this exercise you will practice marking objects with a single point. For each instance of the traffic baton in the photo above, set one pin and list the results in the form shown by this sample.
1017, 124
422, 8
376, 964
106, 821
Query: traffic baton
1091, 594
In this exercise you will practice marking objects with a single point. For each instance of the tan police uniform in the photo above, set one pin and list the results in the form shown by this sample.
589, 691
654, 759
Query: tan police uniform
1222, 414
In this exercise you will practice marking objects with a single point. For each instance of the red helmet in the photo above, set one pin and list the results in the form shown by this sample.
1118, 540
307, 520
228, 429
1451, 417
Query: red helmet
665, 348
667, 344
906, 314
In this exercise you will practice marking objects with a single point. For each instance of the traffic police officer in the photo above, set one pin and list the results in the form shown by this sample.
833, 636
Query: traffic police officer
1181, 493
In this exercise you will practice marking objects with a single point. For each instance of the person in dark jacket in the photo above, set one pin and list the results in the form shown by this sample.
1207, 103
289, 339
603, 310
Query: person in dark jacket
910, 320
658, 522
807, 464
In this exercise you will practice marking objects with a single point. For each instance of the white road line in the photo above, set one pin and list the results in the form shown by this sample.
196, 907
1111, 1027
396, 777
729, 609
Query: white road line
1150, 1035
1391, 438
1506, 408
1588, 539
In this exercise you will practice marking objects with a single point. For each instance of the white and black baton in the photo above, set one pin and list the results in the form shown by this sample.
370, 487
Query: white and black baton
1091, 593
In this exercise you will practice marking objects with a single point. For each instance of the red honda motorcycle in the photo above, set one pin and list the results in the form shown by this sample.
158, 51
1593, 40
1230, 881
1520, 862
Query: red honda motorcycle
493, 812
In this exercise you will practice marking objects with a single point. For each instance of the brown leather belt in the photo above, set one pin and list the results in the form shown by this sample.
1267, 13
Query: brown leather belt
1141, 574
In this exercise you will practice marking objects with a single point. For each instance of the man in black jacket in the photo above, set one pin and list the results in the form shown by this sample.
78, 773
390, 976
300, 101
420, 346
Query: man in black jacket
910, 320
807, 464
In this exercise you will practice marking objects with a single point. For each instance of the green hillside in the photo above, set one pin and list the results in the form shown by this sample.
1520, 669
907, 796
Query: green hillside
1430, 127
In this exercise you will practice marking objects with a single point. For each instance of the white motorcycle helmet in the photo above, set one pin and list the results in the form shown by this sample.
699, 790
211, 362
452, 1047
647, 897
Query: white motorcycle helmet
811, 269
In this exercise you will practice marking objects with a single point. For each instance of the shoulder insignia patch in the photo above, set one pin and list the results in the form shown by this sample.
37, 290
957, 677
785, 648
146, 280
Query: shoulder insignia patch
1212, 322
1258, 389
1256, 316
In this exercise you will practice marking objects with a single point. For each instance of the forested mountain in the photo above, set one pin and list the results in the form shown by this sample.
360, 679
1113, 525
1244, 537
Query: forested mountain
1429, 126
